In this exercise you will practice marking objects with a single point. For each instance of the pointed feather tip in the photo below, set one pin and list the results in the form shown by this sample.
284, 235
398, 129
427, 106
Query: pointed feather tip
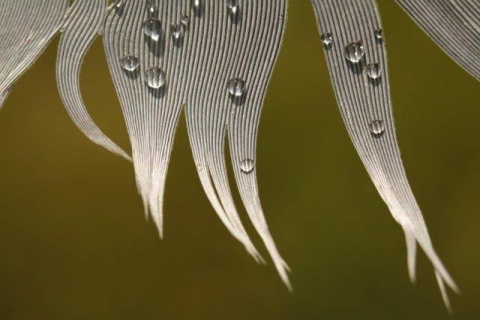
441, 274
411, 256
127, 157
283, 271
112, 147
255, 254
443, 291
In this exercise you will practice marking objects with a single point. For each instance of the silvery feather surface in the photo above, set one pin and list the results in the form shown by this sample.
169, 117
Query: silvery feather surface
213, 60
354, 43
20, 47
454, 25
85, 20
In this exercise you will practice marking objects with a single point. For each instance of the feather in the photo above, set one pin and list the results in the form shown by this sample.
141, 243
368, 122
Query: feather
356, 56
20, 47
454, 25
85, 20
236, 52
196, 52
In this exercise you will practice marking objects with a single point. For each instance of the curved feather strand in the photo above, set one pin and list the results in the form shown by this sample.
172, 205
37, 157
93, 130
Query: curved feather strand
85, 20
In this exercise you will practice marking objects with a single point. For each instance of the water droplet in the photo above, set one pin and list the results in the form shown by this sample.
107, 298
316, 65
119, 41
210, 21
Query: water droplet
373, 71
247, 166
178, 31
152, 28
118, 4
233, 8
327, 39
151, 8
379, 34
130, 63
155, 77
377, 128
197, 6
185, 20
236, 87
354, 52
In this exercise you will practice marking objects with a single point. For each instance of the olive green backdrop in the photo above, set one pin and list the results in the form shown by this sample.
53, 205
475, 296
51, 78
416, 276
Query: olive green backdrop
74, 242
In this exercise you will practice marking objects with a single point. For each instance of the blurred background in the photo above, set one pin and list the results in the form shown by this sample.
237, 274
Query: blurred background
74, 242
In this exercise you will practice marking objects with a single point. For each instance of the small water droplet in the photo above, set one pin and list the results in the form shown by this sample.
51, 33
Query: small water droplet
152, 28
354, 52
374, 71
130, 63
377, 128
178, 32
185, 20
247, 166
197, 6
155, 77
327, 39
379, 34
118, 4
236, 87
233, 7
151, 8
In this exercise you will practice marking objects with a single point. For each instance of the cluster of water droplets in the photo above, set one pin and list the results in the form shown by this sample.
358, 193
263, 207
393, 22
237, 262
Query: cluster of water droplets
354, 53
154, 76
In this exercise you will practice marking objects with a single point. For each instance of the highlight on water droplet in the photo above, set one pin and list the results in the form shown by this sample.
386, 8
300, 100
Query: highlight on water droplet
178, 32
118, 4
236, 87
374, 71
354, 52
130, 63
233, 7
378, 34
247, 166
377, 128
197, 6
185, 21
151, 9
155, 77
327, 39
152, 29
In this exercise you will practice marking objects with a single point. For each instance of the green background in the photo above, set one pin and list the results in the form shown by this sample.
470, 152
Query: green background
74, 243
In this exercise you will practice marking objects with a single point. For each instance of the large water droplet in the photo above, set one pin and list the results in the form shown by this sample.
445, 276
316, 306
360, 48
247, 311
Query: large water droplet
247, 166
327, 39
374, 71
236, 87
130, 63
152, 28
377, 128
197, 6
378, 34
354, 52
178, 32
155, 77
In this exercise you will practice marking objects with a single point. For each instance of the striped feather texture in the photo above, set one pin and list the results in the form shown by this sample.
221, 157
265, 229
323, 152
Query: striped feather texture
20, 47
356, 56
217, 43
454, 25
85, 20
243, 47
